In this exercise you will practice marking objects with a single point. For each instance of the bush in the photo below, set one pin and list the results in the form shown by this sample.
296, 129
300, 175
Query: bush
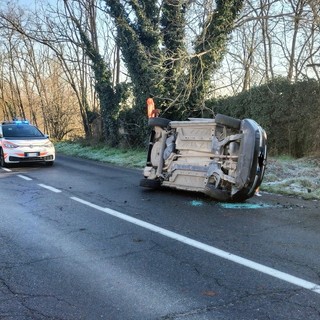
289, 113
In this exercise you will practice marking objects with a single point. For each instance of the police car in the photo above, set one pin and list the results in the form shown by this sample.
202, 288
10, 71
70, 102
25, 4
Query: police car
22, 142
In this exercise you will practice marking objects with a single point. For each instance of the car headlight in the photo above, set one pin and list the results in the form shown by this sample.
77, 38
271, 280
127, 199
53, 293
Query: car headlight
48, 144
8, 144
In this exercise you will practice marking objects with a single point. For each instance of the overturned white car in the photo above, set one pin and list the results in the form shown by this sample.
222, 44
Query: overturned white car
224, 157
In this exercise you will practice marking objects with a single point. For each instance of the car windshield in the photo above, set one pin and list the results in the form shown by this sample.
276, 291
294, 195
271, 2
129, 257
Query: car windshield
21, 131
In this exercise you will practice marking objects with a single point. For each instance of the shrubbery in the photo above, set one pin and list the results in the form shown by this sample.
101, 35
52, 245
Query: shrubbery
290, 113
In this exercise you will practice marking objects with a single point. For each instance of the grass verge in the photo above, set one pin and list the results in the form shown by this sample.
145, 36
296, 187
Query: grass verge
123, 157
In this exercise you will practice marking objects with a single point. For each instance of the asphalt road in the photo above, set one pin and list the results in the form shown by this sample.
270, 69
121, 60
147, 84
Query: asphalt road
82, 240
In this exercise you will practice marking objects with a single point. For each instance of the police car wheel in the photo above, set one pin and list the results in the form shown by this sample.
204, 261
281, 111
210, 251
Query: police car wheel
2, 162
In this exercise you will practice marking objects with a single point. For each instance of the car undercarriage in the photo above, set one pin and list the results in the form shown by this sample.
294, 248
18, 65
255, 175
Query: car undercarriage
224, 157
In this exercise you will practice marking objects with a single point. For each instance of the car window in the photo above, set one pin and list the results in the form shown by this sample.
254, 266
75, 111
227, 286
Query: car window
21, 131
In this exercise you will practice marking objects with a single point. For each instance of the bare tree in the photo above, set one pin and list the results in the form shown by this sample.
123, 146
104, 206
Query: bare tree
102, 73
55, 33
34, 66
280, 37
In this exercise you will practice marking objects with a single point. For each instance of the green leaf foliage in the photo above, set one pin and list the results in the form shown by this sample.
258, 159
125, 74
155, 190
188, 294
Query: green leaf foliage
108, 103
152, 37
290, 114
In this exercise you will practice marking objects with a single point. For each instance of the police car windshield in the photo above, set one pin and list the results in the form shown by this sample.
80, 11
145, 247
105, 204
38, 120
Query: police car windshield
20, 131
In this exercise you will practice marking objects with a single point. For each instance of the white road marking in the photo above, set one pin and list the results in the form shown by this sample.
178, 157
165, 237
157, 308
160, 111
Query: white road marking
49, 188
202, 246
24, 177
6, 169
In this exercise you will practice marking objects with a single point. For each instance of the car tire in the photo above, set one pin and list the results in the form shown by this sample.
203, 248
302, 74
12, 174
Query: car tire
241, 196
228, 121
158, 122
2, 162
149, 183
217, 194
49, 163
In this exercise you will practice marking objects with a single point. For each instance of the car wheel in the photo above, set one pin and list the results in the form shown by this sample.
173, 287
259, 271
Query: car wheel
158, 122
149, 183
241, 197
49, 163
2, 162
217, 194
228, 121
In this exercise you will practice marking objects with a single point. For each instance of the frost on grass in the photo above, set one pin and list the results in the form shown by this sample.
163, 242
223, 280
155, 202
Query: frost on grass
290, 176
121, 157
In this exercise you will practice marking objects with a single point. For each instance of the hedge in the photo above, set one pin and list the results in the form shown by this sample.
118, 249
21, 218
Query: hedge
290, 114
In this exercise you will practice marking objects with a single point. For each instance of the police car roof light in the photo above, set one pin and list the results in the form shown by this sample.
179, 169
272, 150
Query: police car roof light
21, 121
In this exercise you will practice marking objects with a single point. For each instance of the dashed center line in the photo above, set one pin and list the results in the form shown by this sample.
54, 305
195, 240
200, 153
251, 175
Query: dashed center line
24, 177
49, 188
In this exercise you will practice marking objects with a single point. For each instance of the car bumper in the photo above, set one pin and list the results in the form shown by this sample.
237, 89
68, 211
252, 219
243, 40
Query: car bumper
22, 156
